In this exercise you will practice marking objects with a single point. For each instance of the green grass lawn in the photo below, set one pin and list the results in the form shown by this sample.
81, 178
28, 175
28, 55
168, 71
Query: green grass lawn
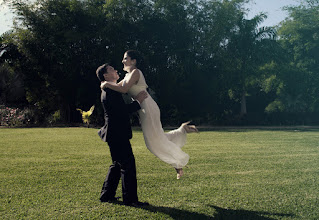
57, 173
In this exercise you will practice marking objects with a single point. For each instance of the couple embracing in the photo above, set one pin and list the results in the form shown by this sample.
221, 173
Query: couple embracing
117, 130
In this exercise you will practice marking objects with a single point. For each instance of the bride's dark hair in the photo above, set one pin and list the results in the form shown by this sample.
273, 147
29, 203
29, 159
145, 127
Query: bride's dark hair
100, 71
135, 55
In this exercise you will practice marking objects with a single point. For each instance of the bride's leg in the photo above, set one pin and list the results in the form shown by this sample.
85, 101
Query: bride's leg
177, 136
189, 128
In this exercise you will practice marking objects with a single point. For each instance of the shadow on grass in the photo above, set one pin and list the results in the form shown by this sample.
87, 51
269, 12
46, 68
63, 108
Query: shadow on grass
219, 213
261, 128
222, 213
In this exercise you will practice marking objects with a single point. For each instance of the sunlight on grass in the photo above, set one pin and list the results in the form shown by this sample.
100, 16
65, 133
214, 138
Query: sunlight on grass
232, 174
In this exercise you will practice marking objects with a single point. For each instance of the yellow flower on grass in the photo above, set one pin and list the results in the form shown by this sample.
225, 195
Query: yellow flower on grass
86, 115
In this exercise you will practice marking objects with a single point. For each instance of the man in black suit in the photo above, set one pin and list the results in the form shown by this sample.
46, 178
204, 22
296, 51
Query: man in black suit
117, 132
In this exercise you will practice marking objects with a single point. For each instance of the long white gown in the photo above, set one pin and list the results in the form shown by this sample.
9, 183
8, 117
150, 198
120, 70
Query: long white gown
166, 146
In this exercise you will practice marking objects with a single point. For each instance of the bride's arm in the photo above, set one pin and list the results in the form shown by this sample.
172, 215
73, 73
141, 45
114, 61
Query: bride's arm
123, 87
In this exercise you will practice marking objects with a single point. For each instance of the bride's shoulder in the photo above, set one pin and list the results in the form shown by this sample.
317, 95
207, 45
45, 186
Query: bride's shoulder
140, 72
136, 71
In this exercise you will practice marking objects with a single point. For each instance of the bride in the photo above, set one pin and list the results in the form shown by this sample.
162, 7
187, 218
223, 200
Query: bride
166, 146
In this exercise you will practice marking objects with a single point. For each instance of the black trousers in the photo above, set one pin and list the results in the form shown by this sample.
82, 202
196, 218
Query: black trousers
124, 168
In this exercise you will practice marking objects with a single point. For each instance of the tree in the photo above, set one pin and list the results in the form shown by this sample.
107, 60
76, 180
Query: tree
58, 41
11, 82
249, 47
197, 53
299, 36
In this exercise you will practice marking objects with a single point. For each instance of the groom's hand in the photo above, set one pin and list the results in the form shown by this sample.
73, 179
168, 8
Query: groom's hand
103, 85
141, 96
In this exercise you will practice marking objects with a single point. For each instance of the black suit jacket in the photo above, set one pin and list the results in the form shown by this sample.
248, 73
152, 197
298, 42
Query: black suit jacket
116, 114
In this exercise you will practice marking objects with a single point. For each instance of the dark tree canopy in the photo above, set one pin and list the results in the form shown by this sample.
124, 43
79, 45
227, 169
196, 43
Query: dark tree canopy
203, 60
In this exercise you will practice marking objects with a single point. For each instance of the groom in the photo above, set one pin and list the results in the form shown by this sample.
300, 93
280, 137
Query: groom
117, 133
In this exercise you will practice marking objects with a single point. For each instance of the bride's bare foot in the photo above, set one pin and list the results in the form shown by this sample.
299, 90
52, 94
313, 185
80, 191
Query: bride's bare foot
189, 128
180, 173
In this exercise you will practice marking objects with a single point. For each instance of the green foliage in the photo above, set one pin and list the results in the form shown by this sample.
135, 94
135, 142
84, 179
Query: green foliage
249, 48
275, 106
49, 173
202, 59
299, 37
55, 118
64, 41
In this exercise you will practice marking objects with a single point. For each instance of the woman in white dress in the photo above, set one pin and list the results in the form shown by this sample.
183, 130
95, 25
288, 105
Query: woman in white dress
166, 146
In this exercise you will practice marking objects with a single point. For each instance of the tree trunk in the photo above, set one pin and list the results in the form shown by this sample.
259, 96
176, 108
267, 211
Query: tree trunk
243, 109
65, 113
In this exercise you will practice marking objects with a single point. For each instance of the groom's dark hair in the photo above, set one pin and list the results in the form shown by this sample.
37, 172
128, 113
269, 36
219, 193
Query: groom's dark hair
100, 71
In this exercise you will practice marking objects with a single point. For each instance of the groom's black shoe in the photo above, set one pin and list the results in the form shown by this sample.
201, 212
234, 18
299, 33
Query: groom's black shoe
113, 199
137, 204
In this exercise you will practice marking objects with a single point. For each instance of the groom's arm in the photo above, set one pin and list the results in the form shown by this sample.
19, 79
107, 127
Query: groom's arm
135, 105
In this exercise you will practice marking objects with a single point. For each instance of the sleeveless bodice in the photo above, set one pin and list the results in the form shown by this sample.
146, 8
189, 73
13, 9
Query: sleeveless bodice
139, 86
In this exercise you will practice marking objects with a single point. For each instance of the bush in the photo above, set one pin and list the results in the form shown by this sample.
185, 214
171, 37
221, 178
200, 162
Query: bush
14, 117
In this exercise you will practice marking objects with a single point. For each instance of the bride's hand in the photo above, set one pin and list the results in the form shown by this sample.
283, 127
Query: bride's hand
103, 85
